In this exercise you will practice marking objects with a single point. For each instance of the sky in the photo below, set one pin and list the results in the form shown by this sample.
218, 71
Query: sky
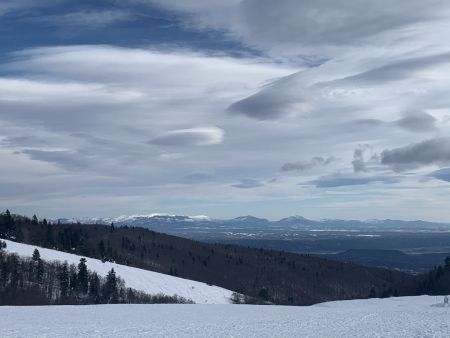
324, 109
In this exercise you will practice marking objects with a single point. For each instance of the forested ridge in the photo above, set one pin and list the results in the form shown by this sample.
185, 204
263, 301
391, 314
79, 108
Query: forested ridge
277, 277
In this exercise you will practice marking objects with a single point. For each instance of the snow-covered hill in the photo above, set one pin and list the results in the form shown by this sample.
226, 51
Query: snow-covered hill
393, 318
139, 279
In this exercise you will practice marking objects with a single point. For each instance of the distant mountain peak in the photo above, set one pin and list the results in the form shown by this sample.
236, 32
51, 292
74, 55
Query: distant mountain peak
249, 218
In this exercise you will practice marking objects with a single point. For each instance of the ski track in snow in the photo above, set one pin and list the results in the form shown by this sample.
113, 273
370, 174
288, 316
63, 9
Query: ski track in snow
139, 279
390, 318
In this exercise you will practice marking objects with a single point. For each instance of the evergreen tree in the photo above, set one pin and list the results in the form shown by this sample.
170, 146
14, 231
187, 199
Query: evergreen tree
38, 266
39, 271
36, 255
110, 291
63, 278
94, 288
101, 248
49, 235
73, 278
82, 278
7, 225
34, 220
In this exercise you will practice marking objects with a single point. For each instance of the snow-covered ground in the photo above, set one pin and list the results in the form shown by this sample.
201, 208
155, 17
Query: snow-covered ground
390, 318
139, 279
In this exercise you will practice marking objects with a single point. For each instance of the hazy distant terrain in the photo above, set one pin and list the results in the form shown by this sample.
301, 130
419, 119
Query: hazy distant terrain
414, 246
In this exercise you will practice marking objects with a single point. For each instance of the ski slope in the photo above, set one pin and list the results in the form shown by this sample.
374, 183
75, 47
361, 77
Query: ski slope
404, 317
139, 279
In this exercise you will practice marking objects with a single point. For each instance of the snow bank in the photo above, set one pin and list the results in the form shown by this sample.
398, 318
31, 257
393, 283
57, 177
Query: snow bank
393, 318
139, 279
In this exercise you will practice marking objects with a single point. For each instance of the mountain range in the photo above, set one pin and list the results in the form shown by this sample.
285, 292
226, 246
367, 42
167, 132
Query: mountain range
250, 225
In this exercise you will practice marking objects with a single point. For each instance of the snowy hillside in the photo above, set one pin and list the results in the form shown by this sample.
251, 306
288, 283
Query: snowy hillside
147, 281
392, 317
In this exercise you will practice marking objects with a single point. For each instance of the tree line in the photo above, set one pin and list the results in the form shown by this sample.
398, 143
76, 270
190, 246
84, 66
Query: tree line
33, 281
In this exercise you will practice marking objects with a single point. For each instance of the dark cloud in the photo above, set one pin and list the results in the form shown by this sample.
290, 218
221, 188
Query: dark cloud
248, 184
61, 158
415, 155
339, 180
190, 137
262, 106
302, 166
24, 141
358, 161
417, 121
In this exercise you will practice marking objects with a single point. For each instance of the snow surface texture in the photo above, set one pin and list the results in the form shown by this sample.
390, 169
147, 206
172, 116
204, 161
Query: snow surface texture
139, 279
390, 318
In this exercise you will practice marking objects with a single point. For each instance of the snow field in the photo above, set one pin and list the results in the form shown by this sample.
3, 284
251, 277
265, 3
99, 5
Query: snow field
390, 318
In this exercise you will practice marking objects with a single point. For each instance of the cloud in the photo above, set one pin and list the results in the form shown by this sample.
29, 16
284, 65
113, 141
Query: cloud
11, 6
359, 162
417, 122
65, 159
304, 27
416, 155
86, 19
302, 166
190, 137
248, 184
326, 78
340, 180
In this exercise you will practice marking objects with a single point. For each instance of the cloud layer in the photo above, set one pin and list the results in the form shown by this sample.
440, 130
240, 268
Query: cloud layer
276, 105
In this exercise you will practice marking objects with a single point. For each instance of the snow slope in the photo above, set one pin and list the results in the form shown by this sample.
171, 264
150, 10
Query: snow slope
390, 318
139, 279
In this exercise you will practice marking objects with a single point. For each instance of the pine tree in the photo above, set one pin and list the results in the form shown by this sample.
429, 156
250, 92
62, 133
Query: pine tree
101, 248
7, 225
34, 220
38, 266
49, 235
63, 277
40, 271
94, 288
73, 278
36, 255
110, 290
82, 278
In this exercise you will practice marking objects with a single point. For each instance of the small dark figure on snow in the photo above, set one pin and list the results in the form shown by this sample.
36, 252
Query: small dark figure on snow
446, 301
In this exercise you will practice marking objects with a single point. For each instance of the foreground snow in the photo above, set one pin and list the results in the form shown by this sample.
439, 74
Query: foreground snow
139, 279
393, 317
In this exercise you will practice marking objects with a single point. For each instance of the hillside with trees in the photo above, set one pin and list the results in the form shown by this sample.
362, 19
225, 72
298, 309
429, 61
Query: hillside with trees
270, 276
25, 281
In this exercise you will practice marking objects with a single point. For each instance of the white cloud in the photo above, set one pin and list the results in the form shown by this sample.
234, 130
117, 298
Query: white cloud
86, 19
187, 137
